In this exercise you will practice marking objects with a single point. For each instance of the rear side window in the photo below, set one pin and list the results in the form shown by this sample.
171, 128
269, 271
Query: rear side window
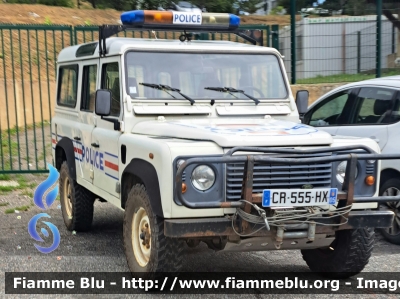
67, 86
374, 106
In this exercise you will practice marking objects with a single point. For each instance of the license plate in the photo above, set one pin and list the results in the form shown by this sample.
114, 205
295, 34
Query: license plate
299, 197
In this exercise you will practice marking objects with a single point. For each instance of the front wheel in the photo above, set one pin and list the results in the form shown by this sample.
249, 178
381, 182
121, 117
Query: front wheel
391, 188
348, 254
147, 250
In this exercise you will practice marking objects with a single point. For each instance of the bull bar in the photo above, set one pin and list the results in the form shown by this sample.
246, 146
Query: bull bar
221, 226
345, 197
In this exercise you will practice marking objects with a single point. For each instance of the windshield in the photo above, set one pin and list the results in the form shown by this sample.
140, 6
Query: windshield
258, 75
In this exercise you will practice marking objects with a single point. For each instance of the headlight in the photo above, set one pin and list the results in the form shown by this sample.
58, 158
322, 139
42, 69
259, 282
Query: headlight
203, 177
341, 171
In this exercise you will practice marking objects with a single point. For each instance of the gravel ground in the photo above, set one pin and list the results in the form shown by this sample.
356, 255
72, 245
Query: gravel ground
101, 250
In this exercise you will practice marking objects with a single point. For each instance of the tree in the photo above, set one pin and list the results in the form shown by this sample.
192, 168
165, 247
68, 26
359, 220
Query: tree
250, 5
215, 5
391, 7
349, 7
299, 4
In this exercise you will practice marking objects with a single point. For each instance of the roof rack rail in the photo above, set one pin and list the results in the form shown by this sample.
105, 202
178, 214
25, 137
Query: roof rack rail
106, 31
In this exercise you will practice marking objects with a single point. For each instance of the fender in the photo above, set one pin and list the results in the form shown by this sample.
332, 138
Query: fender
145, 173
66, 144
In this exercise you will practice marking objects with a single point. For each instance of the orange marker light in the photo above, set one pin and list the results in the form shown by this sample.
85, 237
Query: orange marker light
184, 188
370, 180
158, 17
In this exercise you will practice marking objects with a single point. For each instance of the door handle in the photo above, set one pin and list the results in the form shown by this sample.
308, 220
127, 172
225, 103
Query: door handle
77, 138
95, 144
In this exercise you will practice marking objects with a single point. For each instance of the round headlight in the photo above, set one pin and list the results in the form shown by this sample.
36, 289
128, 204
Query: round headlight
203, 177
341, 171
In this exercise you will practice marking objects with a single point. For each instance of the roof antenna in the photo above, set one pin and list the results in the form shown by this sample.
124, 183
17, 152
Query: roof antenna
155, 35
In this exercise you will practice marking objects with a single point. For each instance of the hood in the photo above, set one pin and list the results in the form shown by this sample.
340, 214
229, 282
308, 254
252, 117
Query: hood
237, 132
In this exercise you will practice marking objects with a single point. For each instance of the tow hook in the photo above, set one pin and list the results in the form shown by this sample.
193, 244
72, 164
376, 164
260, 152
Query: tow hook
280, 234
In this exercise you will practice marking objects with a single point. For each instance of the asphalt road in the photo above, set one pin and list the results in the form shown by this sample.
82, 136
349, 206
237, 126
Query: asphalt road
101, 250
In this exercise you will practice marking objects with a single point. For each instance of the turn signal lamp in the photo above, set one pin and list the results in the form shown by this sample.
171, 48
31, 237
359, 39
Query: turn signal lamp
184, 188
180, 19
370, 180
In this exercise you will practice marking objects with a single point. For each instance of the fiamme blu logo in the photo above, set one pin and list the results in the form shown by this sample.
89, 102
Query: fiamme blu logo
43, 198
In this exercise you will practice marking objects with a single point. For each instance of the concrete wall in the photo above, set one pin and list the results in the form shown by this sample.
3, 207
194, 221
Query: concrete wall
21, 113
315, 90
22, 103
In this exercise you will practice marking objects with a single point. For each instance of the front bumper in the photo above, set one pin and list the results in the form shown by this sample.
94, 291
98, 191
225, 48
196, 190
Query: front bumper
285, 157
185, 228
222, 227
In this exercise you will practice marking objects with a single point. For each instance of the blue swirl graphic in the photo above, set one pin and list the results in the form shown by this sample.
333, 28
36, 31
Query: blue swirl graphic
45, 186
34, 234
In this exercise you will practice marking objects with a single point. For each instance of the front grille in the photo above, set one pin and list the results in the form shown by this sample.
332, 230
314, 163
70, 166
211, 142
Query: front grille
267, 176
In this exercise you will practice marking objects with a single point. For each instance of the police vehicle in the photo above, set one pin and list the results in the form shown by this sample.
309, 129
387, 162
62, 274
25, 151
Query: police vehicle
201, 141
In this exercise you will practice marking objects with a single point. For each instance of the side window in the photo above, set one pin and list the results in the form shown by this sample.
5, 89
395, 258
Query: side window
374, 106
328, 112
67, 86
89, 77
111, 81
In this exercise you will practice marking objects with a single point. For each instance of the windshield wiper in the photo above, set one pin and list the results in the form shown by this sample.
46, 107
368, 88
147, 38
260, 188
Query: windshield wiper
167, 88
233, 90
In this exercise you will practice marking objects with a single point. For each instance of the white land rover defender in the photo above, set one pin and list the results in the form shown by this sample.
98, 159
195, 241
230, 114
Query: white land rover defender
202, 141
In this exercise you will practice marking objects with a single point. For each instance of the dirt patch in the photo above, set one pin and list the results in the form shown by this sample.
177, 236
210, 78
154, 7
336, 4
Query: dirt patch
43, 14
40, 14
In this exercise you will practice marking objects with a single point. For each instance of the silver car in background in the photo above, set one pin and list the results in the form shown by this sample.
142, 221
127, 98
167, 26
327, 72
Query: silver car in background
369, 108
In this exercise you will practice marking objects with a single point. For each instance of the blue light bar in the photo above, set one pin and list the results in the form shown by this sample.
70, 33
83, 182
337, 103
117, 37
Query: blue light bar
234, 20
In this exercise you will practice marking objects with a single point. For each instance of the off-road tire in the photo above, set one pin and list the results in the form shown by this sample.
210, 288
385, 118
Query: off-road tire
165, 253
80, 215
352, 250
391, 183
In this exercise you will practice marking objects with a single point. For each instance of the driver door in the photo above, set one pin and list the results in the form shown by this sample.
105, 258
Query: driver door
104, 153
332, 112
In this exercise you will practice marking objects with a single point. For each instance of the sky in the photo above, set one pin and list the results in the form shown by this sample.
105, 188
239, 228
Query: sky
318, 2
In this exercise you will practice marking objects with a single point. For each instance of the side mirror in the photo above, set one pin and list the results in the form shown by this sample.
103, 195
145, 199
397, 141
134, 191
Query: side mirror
302, 101
103, 102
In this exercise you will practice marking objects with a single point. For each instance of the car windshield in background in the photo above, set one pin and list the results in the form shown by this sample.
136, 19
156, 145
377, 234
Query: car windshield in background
186, 5
258, 75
